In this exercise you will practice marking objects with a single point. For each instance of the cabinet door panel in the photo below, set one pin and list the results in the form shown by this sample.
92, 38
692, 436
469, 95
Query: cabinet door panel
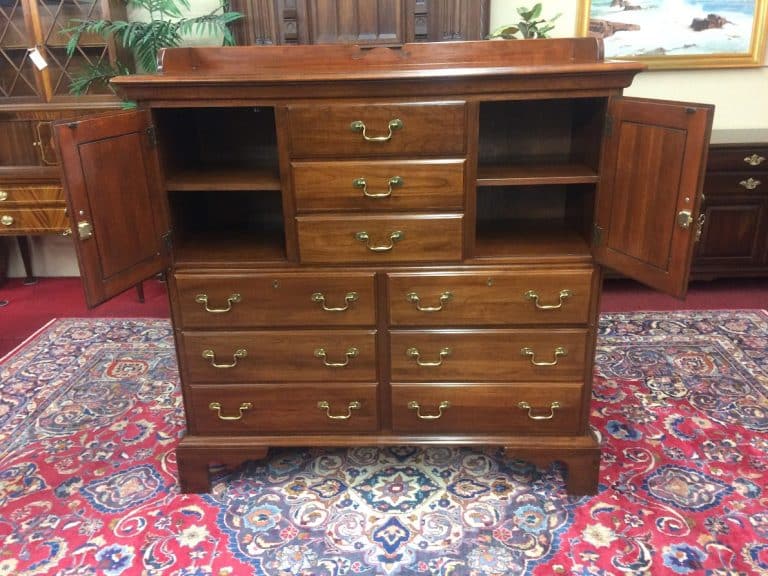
111, 177
650, 190
734, 230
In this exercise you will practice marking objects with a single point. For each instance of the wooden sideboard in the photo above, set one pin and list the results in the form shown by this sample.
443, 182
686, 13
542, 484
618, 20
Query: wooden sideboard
387, 246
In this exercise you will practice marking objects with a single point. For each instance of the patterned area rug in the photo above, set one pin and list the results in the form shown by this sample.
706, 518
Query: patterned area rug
90, 414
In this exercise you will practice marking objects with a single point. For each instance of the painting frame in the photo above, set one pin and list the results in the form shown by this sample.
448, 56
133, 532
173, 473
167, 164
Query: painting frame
752, 57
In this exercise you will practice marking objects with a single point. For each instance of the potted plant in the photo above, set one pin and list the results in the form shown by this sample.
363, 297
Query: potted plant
531, 25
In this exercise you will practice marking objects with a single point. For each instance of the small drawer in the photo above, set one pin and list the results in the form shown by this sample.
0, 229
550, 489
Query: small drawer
379, 185
551, 409
377, 129
736, 183
282, 409
277, 299
376, 239
32, 220
488, 355
490, 297
280, 356
743, 158
13, 195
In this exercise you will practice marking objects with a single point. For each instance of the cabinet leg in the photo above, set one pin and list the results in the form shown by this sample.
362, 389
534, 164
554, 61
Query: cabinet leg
193, 463
26, 259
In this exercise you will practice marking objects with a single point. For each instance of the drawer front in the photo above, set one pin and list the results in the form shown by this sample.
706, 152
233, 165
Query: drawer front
483, 408
747, 158
377, 239
280, 299
736, 183
491, 297
394, 129
488, 355
13, 195
370, 185
286, 409
280, 356
32, 220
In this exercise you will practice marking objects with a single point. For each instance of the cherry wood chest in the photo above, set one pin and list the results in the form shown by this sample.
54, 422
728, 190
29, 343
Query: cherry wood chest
387, 246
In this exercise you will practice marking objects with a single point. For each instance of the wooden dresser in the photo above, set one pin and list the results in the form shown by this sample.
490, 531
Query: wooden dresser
387, 246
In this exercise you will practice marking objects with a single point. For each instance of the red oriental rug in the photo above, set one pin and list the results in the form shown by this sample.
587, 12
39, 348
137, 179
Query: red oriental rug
90, 413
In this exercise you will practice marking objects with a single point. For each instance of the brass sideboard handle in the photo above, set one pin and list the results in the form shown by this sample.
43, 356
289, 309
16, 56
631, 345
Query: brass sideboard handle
754, 160
364, 237
244, 407
413, 297
750, 183
3, 195
564, 295
351, 352
359, 126
67, 232
325, 405
348, 298
414, 353
233, 299
391, 183
6, 220
559, 351
444, 405
552, 407
239, 353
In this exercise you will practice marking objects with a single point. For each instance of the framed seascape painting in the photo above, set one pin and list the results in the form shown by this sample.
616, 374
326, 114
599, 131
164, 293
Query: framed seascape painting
679, 33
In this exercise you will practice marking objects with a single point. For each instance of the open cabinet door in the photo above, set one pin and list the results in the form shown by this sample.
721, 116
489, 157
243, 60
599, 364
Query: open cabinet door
649, 194
120, 221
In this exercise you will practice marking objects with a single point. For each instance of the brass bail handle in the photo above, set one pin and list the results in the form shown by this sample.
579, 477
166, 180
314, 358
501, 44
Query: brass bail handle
415, 354
552, 407
211, 356
391, 183
364, 237
351, 352
348, 299
244, 407
325, 405
359, 126
533, 295
444, 405
414, 298
529, 352
233, 299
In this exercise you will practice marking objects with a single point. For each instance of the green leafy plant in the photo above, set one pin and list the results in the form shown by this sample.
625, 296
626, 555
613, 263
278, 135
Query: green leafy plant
531, 25
166, 27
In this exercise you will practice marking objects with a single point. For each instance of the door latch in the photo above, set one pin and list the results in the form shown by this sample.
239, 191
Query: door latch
84, 230
684, 219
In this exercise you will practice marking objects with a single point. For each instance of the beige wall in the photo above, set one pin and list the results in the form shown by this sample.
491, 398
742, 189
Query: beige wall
739, 95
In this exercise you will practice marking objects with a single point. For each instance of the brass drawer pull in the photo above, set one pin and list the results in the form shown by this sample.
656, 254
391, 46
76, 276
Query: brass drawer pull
444, 405
244, 407
348, 298
552, 407
359, 126
325, 405
413, 297
3, 195
564, 295
750, 183
559, 351
414, 353
239, 353
364, 237
391, 183
754, 160
233, 299
6, 220
351, 352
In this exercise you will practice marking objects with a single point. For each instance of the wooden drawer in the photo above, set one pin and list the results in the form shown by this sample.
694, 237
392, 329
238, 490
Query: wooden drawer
426, 129
379, 185
736, 183
554, 408
738, 158
13, 195
280, 356
488, 355
489, 297
282, 409
32, 220
275, 299
377, 239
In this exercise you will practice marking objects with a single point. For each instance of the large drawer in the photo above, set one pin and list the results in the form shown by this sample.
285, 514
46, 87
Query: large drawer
280, 356
488, 355
32, 220
489, 297
377, 129
487, 408
34, 194
374, 239
367, 185
240, 300
282, 409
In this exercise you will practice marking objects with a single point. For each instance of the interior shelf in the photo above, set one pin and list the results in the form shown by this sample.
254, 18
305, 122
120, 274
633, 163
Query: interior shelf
253, 248
527, 174
524, 240
224, 179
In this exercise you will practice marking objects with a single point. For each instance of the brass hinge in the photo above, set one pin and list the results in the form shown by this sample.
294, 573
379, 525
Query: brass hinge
167, 241
597, 235
152, 136
608, 126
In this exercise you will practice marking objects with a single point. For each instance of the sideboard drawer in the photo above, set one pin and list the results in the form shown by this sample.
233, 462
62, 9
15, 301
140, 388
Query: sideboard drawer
553, 408
736, 183
239, 300
376, 239
32, 220
378, 129
748, 158
280, 356
490, 297
283, 409
404, 185
488, 355
35, 194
